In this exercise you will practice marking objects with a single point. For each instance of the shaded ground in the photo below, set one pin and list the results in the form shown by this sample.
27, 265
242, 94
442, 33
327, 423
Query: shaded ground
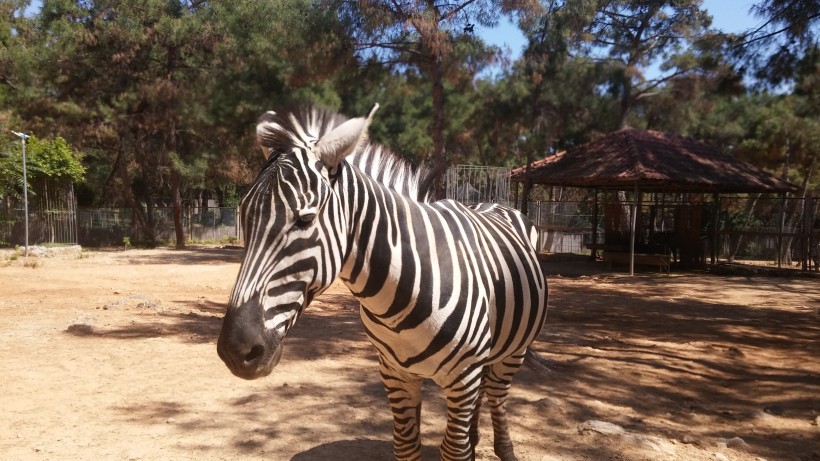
111, 355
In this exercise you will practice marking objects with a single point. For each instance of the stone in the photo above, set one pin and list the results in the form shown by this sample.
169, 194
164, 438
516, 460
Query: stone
601, 427
736, 442
688, 439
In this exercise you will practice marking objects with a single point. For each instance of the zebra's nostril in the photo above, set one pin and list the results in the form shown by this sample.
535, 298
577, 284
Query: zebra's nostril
255, 353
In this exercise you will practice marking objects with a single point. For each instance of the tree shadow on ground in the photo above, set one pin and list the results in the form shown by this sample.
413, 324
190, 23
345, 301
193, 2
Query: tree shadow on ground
331, 325
672, 364
192, 256
370, 450
189, 326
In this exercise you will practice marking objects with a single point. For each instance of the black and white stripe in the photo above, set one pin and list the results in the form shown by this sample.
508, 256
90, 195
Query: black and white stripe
448, 292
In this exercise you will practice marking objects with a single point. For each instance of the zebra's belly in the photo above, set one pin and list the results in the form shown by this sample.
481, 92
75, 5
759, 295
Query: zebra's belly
434, 349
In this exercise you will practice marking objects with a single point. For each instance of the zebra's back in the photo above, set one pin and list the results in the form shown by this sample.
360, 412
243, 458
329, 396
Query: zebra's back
478, 293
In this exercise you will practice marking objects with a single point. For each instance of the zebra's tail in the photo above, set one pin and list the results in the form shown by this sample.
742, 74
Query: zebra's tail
537, 362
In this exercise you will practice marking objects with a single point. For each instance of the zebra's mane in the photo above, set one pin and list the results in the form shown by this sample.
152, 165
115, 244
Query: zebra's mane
299, 127
387, 168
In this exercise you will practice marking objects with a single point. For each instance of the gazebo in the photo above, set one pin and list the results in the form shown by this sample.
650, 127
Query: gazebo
647, 161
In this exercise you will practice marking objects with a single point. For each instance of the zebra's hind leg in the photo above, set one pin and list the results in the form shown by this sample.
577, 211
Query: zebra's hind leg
404, 395
497, 387
474, 422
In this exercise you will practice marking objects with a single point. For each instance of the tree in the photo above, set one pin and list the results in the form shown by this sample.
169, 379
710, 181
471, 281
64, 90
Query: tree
422, 35
53, 160
633, 35
162, 92
785, 45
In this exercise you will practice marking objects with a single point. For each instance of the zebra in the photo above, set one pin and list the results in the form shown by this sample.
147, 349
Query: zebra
450, 293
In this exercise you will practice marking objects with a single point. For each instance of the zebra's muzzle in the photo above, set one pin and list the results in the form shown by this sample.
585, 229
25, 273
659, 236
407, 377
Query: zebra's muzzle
248, 349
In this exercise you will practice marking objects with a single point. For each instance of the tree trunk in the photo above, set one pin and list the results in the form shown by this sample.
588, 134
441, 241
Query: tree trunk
177, 206
794, 213
143, 220
626, 102
435, 180
749, 212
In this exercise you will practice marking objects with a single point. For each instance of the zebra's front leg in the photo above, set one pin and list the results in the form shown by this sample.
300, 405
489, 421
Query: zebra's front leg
497, 388
462, 417
404, 395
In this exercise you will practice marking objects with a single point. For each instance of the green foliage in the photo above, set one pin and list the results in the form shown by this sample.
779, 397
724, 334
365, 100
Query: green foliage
161, 97
45, 160
785, 46
778, 132
55, 159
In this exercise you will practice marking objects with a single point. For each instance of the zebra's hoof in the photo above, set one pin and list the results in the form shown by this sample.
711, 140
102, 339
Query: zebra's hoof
505, 453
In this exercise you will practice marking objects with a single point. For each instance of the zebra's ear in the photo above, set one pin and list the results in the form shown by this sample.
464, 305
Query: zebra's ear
343, 140
265, 126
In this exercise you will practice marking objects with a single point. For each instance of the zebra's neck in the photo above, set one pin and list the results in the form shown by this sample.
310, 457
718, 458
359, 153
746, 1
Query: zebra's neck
380, 242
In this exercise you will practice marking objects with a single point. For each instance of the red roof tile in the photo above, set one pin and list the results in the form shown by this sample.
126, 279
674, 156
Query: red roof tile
654, 160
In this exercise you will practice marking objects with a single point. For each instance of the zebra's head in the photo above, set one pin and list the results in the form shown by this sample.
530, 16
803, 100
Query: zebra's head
295, 234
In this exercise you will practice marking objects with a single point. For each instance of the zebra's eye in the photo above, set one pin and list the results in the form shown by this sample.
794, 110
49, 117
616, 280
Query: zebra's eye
305, 218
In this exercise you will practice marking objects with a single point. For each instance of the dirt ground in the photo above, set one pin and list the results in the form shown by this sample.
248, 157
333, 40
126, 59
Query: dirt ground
112, 355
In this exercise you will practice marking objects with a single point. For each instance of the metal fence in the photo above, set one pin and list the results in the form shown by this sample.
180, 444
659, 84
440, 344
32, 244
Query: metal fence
52, 214
115, 226
472, 184
751, 229
100, 227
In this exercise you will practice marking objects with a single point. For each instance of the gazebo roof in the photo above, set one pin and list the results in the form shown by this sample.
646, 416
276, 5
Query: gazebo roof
652, 160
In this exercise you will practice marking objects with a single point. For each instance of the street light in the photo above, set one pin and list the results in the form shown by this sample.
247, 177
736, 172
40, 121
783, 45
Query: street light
23, 138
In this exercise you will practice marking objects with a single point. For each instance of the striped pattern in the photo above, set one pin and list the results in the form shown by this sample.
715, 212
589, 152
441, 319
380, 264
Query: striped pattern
450, 293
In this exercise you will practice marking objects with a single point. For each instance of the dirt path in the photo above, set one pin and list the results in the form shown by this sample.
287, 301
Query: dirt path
111, 355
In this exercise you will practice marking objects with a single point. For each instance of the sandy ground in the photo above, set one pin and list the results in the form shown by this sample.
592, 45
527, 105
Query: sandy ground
111, 355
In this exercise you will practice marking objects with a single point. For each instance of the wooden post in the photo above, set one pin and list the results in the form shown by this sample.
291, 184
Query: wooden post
515, 193
594, 223
805, 234
781, 230
525, 196
633, 230
715, 223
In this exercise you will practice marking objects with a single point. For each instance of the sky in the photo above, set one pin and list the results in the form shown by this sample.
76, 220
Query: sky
727, 16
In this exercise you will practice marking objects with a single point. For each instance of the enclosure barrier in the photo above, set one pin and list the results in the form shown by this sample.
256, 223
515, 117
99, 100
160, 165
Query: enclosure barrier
754, 229
751, 229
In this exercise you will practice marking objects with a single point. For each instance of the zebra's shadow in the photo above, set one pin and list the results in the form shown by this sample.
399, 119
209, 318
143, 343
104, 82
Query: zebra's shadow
362, 449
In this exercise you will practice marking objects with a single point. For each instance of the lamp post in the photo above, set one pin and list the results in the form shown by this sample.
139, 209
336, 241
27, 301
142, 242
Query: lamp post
23, 138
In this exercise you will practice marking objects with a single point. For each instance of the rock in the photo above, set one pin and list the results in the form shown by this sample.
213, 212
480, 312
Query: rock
651, 443
721, 457
762, 415
776, 410
601, 427
734, 442
80, 329
688, 439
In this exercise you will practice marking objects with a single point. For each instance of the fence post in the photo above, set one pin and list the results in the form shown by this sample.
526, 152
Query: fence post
715, 232
237, 224
781, 230
805, 235
594, 224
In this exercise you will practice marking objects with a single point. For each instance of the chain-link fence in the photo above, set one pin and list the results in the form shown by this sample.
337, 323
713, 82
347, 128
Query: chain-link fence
52, 213
115, 226
752, 229
472, 184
